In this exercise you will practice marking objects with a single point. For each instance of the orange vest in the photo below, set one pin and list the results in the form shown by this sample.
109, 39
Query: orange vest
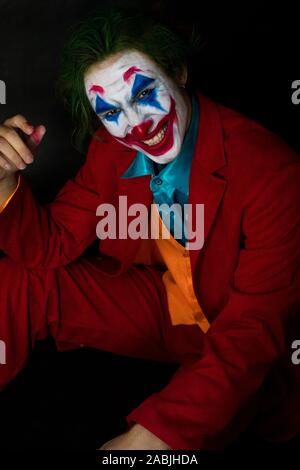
166, 253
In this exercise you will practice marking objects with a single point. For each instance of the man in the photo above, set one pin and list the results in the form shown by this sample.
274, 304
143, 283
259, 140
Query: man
226, 311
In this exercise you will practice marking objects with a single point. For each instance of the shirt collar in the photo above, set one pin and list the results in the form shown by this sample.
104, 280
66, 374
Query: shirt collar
176, 172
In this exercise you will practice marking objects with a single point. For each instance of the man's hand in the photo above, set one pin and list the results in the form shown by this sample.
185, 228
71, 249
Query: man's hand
17, 152
136, 438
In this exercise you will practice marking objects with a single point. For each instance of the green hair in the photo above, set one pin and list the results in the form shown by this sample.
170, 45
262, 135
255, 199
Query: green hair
96, 38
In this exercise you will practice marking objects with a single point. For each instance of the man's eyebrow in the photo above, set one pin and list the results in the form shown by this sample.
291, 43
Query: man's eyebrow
140, 82
96, 89
102, 105
129, 73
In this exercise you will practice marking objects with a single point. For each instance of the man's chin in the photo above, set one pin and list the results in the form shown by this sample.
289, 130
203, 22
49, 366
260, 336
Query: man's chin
164, 158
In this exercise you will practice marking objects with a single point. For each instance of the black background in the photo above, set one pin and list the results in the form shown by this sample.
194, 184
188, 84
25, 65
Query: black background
248, 62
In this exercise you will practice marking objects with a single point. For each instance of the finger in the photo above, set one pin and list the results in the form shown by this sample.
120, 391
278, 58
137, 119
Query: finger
17, 143
36, 137
4, 164
10, 155
20, 122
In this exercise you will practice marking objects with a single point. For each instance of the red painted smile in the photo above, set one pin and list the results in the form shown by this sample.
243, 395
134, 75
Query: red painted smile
159, 141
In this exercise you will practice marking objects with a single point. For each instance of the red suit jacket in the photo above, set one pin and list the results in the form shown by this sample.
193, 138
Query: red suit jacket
246, 276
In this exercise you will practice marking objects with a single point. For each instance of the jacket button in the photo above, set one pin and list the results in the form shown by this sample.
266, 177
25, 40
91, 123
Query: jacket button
198, 316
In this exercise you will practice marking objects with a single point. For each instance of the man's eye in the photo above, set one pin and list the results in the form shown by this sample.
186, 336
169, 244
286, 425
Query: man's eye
111, 113
144, 93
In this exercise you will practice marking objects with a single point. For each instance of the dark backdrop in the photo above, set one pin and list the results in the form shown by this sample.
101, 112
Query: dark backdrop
248, 62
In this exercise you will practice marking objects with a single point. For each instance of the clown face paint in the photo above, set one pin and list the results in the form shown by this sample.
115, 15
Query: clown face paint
139, 104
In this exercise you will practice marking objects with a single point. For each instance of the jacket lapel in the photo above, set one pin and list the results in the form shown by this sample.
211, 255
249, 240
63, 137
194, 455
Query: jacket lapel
130, 191
206, 187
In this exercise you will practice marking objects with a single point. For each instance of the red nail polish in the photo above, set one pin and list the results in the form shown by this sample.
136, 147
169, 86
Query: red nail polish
35, 139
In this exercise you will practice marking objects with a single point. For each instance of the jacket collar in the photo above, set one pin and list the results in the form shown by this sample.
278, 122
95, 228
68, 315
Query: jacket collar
209, 153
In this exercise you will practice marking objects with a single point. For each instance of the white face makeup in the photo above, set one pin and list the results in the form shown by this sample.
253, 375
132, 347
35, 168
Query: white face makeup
139, 104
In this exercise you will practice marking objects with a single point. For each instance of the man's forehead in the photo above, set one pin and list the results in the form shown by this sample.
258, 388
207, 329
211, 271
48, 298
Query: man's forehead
122, 71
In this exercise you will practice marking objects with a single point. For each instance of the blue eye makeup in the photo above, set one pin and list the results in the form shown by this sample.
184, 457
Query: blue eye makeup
144, 92
140, 83
107, 111
145, 95
148, 97
112, 115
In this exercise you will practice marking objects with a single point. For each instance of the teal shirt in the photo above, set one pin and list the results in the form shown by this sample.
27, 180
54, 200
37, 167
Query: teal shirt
170, 182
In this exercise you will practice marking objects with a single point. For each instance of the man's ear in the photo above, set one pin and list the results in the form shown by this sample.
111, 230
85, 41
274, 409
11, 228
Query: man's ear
182, 79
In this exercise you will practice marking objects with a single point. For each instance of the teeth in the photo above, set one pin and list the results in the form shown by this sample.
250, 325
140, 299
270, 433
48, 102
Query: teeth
157, 138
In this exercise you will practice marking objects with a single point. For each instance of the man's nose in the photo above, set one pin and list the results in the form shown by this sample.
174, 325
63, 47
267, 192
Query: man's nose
141, 130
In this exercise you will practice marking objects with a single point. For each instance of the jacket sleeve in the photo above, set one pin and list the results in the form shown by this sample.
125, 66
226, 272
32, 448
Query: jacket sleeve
55, 234
248, 335
6, 202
